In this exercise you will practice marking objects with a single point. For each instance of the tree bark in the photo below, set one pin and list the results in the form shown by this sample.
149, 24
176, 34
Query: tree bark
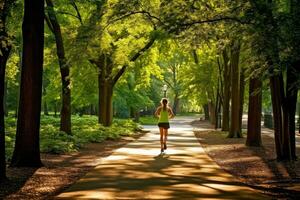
105, 102
280, 114
46, 112
65, 113
293, 71
254, 113
242, 92
176, 104
235, 91
27, 150
226, 98
206, 111
5, 100
291, 95
45, 102
211, 109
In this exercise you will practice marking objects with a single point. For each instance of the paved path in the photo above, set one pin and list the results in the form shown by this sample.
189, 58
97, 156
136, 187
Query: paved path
139, 171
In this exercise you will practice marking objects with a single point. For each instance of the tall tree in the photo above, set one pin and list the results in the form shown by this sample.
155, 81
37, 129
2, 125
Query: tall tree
27, 150
54, 26
107, 80
235, 91
5, 47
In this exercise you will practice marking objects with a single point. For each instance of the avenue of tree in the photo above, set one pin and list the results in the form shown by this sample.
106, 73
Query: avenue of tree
224, 58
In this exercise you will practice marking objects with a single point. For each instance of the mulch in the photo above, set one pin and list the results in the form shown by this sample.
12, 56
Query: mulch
254, 166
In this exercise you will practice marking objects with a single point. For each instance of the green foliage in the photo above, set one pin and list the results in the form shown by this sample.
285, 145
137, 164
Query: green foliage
85, 130
148, 120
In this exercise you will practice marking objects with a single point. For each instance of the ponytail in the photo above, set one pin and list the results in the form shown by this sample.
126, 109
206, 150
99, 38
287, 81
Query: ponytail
164, 103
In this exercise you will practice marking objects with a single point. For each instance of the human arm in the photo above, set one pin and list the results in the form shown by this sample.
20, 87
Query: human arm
171, 114
157, 112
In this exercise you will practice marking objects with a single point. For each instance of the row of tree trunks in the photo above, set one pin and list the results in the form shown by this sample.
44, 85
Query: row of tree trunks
27, 150
235, 91
65, 114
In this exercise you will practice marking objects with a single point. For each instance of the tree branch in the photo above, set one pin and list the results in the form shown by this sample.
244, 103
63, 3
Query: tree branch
168, 83
149, 15
77, 11
213, 20
70, 14
49, 23
136, 56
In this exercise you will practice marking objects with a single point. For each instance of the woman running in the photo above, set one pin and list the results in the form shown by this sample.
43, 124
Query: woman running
164, 113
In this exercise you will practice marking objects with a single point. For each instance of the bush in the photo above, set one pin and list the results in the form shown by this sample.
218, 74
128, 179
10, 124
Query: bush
85, 129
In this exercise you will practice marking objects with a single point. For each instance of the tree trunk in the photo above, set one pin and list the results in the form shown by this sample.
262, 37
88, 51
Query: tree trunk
280, 114
45, 102
217, 108
235, 92
226, 98
211, 109
92, 110
27, 150
65, 114
3, 61
137, 116
132, 112
5, 100
291, 93
206, 111
105, 102
242, 91
176, 104
46, 108
293, 79
254, 113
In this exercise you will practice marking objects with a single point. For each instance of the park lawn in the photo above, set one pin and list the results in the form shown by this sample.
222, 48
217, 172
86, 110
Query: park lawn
85, 129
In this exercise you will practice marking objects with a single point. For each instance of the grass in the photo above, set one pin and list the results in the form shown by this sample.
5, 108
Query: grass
85, 129
148, 120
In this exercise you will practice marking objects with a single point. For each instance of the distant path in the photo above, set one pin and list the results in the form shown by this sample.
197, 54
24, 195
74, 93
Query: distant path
139, 171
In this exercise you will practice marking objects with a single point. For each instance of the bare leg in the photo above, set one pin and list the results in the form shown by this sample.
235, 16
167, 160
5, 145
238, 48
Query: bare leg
161, 130
165, 136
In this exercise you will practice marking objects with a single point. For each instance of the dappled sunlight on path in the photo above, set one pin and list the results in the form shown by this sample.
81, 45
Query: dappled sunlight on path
139, 171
